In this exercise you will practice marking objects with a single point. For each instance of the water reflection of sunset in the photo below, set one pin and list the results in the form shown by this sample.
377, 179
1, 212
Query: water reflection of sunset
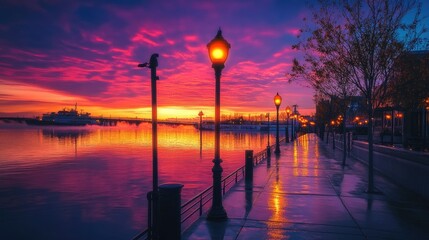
91, 139
100, 172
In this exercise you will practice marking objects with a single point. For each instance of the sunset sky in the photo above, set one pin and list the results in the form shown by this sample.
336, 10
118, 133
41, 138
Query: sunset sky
56, 53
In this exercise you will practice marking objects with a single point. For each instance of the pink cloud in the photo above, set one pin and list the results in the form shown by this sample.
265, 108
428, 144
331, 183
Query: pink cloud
269, 33
16, 54
171, 41
147, 36
179, 55
293, 31
125, 52
251, 40
142, 39
99, 39
201, 48
287, 52
191, 38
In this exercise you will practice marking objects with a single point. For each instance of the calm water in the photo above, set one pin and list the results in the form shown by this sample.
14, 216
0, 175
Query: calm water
91, 182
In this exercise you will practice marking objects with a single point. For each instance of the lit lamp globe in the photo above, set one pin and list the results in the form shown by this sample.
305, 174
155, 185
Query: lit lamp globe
277, 100
218, 50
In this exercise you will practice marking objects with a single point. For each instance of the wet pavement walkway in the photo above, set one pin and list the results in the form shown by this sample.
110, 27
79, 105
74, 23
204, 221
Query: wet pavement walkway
305, 193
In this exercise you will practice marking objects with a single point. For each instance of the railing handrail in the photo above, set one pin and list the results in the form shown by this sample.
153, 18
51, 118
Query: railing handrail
258, 158
198, 198
145, 232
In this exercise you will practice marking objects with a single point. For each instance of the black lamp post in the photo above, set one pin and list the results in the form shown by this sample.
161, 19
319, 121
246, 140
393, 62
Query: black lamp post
294, 121
201, 114
277, 102
218, 52
268, 118
153, 64
287, 123
268, 136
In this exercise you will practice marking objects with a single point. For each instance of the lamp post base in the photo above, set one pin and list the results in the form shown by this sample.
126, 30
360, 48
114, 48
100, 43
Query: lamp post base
277, 150
287, 135
217, 214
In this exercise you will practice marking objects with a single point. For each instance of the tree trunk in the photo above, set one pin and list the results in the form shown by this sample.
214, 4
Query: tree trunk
344, 138
370, 152
327, 134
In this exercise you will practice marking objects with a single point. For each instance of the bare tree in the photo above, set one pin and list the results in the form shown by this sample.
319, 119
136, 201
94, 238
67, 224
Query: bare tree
325, 68
358, 41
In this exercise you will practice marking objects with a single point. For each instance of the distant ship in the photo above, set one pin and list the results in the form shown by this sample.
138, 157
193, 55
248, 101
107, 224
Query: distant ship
65, 118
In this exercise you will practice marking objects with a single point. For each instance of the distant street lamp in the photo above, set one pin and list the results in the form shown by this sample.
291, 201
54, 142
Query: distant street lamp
268, 136
201, 114
153, 64
294, 121
287, 123
277, 102
218, 52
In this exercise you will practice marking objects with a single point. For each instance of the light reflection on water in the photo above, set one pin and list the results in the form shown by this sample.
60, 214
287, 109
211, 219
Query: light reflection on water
91, 182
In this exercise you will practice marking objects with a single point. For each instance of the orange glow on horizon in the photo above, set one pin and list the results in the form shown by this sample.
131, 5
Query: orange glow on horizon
31, 101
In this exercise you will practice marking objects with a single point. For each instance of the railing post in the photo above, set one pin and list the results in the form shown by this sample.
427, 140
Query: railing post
201, 204
169, 211
223, 188
249, 165
349, 143
149, 214
268, 155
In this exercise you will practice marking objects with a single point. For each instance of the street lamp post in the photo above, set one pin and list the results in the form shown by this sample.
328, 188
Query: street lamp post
287, 123
277, 102
294, 121
268, 136
153, 64
218, 52
201, 114
292, 125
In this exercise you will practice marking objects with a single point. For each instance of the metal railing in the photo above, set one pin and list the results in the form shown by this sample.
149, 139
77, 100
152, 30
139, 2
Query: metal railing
259, 157
146, 234
143, 235
195, 207
198, 203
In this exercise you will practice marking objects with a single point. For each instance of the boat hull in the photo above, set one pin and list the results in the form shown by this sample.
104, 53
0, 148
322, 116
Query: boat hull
54, 123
